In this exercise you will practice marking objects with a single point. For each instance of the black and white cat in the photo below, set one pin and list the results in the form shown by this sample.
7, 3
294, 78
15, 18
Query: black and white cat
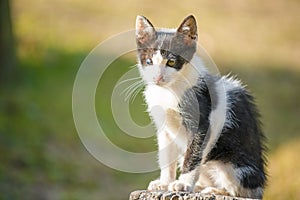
205, 123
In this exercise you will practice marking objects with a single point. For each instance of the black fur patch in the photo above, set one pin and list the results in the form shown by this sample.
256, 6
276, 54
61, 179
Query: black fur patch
242, 145
195, 107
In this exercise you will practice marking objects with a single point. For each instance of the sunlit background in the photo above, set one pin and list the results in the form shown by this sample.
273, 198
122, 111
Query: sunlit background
41, 155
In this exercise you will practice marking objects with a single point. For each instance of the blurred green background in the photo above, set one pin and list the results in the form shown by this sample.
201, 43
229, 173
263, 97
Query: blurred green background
41, 156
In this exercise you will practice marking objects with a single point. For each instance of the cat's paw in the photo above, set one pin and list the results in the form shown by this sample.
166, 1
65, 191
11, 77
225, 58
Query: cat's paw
157, 185
216, 191
180, 186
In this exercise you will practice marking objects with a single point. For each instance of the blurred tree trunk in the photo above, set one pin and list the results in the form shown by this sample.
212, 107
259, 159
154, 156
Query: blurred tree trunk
7, 48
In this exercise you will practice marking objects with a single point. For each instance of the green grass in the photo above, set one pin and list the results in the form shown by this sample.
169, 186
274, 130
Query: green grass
42, 156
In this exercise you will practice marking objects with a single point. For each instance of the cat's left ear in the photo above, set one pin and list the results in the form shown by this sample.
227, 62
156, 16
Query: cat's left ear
188, 28
144, 31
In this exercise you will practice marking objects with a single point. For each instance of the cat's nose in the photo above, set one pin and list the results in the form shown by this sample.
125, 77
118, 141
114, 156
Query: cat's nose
158, 79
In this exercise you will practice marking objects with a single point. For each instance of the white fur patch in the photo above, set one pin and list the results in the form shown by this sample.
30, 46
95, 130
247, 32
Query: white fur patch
180, 138
157, 58
186, 28
190, 177
151, 73
231, 83
186, 182
198, 64
217, 118
167, 30
160, 96
159, 100
221, 175
167, 157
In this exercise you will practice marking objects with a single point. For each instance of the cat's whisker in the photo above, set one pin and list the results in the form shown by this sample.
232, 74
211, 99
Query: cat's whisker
135, 93
127, 80
132, 95
130, 87
133, 66
132, 90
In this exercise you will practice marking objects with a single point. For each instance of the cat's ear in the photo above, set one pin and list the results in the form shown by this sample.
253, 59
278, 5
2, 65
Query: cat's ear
188, 28
144, 30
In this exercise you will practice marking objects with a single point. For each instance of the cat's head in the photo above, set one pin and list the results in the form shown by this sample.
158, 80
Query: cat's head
164, 53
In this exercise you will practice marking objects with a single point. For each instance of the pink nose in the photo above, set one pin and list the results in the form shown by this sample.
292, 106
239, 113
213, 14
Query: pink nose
158, 79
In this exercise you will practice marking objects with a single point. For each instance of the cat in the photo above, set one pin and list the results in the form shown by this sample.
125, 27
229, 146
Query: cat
207, 124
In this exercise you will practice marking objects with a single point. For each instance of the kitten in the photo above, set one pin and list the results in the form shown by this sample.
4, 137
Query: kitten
206, 123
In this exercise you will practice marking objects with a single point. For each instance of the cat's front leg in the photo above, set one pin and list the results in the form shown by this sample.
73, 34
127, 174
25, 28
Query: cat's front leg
191, 167
167, 157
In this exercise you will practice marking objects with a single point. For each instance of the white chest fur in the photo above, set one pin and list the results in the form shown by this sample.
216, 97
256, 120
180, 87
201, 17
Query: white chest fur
159, 96
159, 100
162, 106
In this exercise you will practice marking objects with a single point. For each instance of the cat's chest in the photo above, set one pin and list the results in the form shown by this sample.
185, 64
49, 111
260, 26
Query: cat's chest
159, 100
157, 96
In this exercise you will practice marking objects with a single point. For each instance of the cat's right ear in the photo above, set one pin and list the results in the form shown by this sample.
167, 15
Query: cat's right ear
144, 30
188, 29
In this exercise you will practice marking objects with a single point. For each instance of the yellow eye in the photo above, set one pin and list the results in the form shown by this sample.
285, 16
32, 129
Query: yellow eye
171, 62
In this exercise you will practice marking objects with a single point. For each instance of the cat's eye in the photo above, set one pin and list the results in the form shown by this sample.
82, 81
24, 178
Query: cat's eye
171, 62
149, 61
